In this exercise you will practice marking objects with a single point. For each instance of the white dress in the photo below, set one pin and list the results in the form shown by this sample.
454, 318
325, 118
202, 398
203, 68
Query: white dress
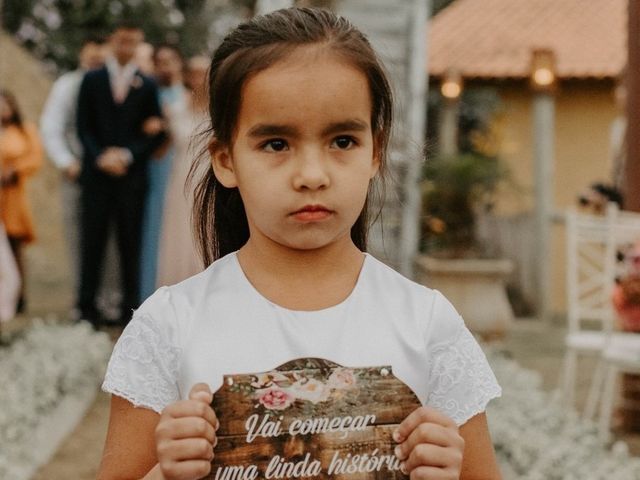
9, 279
217, 323
177, 254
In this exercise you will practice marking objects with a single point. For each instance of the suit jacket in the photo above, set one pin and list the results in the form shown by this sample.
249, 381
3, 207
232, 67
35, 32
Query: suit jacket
103, 123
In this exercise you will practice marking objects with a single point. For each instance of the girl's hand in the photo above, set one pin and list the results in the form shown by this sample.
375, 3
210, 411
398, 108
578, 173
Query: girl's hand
186, 436
429, 446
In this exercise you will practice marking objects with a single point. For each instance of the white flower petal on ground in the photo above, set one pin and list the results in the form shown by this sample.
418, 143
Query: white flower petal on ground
37, 371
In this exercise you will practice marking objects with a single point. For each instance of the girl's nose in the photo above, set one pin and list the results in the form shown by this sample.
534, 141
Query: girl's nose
311, 172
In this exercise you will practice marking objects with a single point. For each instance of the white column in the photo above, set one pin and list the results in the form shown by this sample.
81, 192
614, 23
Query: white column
417, 105
544, 143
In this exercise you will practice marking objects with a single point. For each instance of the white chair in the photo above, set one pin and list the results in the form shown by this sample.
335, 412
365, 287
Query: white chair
621, 353
590, 260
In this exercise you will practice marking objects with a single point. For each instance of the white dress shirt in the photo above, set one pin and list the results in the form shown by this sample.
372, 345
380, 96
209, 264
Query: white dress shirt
120, 77
58, 120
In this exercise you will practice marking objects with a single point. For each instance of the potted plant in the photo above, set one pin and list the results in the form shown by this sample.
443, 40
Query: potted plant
455, 190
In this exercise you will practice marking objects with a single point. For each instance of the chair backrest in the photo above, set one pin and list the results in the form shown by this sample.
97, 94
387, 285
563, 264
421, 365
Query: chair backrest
594, 243
589, 269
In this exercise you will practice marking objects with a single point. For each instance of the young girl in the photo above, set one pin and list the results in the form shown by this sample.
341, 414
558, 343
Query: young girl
300, 114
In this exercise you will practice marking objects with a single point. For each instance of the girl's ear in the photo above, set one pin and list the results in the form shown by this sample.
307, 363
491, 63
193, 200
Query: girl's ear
222, 164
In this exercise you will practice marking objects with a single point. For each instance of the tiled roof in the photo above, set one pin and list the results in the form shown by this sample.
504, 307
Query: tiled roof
494, 38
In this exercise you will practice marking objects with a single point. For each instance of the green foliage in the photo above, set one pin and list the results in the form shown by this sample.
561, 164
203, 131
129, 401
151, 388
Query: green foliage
54, 29
454, 189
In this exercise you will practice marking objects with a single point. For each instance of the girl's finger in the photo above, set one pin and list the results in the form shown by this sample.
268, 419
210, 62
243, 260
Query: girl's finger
186, 470
429, 433
186, 449
426, 455
418, 416
431, 473
187, 427
201, 392
192, 408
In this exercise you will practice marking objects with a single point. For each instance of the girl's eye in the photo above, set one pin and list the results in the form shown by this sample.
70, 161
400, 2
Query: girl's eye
277, 145
344, 142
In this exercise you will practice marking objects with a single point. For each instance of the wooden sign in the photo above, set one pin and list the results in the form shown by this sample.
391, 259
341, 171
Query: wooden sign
310, 418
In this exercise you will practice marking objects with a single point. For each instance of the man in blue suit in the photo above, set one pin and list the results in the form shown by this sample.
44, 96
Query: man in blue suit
116, 106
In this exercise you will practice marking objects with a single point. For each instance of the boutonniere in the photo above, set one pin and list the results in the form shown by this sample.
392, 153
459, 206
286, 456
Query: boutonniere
136, 82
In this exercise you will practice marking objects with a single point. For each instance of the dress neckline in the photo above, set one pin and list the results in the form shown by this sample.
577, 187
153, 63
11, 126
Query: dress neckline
321, 311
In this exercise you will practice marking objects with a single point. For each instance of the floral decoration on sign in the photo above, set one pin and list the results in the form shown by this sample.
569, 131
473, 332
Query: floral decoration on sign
279, 391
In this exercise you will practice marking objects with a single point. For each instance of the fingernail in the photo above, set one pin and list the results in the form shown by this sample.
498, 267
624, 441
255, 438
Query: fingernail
396, 436
398, 453
403, 468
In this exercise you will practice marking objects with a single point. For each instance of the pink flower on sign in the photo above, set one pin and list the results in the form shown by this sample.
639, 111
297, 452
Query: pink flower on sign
342, 379
275, 398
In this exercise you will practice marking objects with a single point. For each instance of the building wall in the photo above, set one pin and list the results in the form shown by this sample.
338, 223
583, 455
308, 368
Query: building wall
584, 112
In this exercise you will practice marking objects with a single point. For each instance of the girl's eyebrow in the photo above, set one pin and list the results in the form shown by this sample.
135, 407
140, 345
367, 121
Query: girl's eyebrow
266, 130
351, 125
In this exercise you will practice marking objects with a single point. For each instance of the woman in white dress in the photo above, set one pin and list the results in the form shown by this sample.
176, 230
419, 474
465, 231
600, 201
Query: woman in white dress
178, 258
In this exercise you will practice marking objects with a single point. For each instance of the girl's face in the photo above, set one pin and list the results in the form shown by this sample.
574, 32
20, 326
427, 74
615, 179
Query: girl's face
303, 151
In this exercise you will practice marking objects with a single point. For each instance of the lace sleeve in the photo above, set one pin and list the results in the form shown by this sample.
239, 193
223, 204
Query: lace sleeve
461, 382
144, 365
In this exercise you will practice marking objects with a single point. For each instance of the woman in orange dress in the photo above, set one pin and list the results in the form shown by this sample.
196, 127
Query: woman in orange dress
20, 156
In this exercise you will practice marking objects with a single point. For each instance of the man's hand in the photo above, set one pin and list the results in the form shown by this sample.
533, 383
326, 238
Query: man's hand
113, 161
153, 126
72, 172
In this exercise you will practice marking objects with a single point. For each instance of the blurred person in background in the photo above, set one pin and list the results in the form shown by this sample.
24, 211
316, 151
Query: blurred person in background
178, 258
169, 66
60, 137
113, 105
144, 59
9, 279
20, 157
597, 196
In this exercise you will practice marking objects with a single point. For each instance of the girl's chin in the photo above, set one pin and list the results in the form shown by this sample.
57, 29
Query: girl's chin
312, 242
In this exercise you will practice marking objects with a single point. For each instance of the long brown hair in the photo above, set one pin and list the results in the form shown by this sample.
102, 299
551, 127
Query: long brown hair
16, 117
220, 221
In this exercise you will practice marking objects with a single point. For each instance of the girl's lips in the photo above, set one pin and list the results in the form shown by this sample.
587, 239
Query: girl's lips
312, 213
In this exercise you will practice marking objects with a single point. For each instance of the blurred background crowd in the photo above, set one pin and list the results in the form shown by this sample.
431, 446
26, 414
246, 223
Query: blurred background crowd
123, 158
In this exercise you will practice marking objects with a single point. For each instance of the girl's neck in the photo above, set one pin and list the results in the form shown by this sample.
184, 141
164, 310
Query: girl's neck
302, 279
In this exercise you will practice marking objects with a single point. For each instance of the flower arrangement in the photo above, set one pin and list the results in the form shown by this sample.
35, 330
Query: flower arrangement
38, 371
280, 390
626, 292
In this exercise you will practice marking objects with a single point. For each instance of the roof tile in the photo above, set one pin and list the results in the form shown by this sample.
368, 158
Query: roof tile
494, 38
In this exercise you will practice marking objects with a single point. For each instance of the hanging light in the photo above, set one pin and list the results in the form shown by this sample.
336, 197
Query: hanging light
451, 87
543, 70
